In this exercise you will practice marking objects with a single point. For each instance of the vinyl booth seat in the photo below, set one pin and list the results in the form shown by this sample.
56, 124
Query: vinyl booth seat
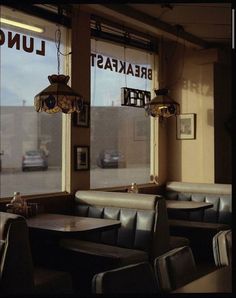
222, 248
143, 234
144, 231
18, 275
168, 272
200, 226
135, 279
175, 269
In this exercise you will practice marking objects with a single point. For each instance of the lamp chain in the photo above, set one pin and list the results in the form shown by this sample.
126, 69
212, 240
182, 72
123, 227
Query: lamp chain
125, 65
146, 81
95, 76
58, 43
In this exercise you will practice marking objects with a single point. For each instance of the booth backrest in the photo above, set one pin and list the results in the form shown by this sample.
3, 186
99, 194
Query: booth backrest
16, 266
220, 195
144, 221
222, 248
18, 276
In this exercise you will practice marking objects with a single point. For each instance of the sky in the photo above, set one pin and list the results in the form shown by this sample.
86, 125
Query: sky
23, 74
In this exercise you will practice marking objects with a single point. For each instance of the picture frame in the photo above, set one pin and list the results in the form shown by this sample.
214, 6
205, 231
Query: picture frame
82, 118
81, 158
186, 126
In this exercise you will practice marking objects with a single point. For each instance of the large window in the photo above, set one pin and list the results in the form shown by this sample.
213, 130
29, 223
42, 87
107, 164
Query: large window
120, 136
30, 144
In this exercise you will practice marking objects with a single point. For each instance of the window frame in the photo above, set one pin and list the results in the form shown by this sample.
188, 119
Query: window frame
68, 184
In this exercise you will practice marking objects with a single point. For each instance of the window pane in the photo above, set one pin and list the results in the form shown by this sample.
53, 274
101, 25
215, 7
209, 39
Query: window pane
120, 136
30, 141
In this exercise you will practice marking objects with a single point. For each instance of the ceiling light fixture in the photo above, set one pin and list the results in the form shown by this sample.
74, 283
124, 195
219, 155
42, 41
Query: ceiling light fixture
162, 105
21, 25
58, 96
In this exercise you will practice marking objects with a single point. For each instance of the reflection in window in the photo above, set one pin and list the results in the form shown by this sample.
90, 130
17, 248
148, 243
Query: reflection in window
22, 129
120, 136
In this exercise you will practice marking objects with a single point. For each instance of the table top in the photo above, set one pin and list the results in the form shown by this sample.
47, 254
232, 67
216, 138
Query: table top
218, 281
187, 205
70, 224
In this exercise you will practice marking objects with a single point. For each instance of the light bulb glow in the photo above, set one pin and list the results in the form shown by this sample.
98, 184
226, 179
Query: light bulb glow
21, 25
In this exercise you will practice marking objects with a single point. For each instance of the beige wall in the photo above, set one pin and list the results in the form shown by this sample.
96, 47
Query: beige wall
190, 75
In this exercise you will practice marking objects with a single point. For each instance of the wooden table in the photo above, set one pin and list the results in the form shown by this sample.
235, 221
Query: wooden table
218, 281
70, 225
187, 205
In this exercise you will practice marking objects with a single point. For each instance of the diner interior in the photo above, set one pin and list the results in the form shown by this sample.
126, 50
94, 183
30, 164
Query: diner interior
116, 149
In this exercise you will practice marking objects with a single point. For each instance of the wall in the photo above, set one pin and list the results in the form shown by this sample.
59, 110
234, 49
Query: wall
190, 74
132, 140
36, 131
200, 81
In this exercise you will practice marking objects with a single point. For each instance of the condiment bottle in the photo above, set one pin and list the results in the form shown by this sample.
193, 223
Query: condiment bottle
133, 188
17, 203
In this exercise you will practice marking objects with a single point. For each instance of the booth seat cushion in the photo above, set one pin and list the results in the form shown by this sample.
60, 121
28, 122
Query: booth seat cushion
220, 195
135, 231
143, 234
222, 248
2, 245
48, 281
175, 268
176, 241
18, 275
143, 219
138, 279
118, 256
196, 225
200, 226
200, 234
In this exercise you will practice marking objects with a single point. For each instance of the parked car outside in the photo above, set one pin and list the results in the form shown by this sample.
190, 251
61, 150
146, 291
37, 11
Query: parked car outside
34, 160
111, 159
1, 153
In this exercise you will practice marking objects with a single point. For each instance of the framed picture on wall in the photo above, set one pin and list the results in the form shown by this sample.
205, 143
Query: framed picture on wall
81, 119
81, 154
186, 126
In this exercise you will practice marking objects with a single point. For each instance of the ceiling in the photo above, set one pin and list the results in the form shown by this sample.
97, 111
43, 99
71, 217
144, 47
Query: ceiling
210, 22
202, 24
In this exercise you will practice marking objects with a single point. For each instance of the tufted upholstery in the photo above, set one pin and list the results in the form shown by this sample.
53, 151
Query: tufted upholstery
18, 276
143, 219
220, 195
175, 268
222, 248
200, 226
136, 278
143, 235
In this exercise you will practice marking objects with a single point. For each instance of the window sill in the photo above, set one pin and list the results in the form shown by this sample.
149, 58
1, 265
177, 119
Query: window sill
148, 188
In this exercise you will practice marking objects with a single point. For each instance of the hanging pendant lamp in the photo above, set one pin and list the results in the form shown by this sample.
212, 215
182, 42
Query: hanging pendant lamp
58, 96
162, 105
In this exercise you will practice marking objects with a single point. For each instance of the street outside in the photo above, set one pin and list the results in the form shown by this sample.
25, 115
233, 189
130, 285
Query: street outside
38, 182
118, 177
34, 182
